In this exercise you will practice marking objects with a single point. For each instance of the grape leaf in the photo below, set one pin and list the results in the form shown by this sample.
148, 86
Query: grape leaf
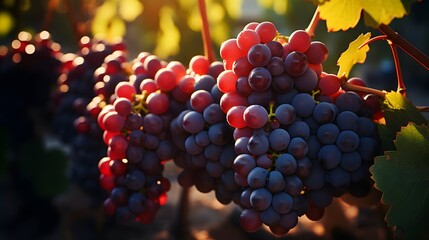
342, 15
402, 176
353, 55
398, 111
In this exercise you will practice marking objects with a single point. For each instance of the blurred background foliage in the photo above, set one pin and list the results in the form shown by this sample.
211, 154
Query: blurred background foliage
171, 28
167, 28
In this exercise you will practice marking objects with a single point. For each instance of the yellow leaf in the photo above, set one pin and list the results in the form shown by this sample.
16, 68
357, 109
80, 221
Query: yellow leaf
130, 9
339, 14
353, 55
342, 15
168, 39
382, 12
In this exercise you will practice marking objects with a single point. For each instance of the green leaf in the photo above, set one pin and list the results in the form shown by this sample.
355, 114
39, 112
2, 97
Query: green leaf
353, 55
342, 15
402, 176
45, 168
398, 112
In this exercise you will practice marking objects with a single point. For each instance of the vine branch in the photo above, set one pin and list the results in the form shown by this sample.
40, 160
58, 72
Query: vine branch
423, 108
405, 45
207, 41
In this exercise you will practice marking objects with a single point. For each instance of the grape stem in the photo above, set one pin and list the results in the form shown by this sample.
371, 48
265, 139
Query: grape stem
140, 104
313, 23
405, 45
207, 41
401, 85
353, 87
371, 40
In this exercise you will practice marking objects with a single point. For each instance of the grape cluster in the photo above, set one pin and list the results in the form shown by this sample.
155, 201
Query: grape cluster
136, 128
76, 84
75, 108
201, 133
300, 139
266, 128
